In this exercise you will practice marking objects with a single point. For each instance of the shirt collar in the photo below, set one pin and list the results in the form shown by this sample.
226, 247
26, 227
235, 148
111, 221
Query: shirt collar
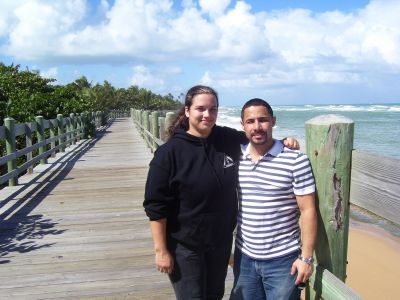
276, 148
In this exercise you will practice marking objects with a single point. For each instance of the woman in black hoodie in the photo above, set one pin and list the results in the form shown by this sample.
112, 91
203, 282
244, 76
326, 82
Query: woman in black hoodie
191, 200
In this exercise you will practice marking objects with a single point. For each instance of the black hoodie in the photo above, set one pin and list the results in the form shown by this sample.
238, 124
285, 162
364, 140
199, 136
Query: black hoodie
192, 182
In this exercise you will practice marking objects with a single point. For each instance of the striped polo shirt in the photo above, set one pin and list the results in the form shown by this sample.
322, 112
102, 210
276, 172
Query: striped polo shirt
268, 219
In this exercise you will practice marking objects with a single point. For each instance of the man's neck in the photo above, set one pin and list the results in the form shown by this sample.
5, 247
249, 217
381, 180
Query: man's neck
258, 151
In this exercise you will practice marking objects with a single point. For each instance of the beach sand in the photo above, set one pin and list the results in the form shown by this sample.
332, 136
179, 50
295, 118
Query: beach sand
373, 269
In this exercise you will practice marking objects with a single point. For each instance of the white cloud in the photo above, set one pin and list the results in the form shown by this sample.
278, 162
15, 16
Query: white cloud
241, 34
295, 35
188, 4
126, 30
382, 36
239, 48
214, 8
104, 5
50, 73
206, 79
7, 17
370, 36
152, 30
38, 26
189, 35
172, 70
144, 78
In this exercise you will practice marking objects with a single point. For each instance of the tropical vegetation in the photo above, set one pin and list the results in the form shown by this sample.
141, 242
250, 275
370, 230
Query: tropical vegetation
25, 94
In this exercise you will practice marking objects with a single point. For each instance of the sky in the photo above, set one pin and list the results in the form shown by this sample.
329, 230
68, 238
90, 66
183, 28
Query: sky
286, 52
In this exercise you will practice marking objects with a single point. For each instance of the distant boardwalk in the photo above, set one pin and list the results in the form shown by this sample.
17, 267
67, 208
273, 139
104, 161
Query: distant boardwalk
80, 232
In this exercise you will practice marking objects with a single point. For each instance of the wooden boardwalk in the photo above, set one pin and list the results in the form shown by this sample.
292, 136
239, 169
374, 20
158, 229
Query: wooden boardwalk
76, 229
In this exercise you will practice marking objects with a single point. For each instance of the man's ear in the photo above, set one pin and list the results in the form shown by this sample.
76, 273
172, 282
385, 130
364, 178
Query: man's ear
241, 123
273, 121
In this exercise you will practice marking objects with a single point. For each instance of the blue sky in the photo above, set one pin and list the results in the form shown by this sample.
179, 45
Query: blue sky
287, 52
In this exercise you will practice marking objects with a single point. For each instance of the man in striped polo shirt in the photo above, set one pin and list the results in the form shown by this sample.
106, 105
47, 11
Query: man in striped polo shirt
276, 185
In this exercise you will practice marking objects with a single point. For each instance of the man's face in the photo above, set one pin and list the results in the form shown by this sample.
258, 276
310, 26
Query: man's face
258, 124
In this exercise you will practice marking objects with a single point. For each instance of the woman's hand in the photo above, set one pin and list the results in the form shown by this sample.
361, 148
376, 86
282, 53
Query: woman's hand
291, 143
164, 261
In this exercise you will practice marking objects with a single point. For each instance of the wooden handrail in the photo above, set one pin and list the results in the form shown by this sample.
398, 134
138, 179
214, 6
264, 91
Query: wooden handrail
63, 132
329, 287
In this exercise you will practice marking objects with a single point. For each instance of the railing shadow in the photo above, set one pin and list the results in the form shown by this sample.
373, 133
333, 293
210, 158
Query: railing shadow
19, 229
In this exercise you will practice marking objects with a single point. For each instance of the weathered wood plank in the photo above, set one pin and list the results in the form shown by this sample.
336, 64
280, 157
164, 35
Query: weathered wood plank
375, 184
329, 287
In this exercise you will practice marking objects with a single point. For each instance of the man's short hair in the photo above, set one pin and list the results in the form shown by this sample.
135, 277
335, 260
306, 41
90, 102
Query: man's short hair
257, 102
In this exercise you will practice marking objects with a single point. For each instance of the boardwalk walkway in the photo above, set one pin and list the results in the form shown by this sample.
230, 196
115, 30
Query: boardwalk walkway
78, 230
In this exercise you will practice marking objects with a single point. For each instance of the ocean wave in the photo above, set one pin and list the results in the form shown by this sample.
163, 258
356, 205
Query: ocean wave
228, 110
395, 109
320, 108
234, 111
340, 107
226, 119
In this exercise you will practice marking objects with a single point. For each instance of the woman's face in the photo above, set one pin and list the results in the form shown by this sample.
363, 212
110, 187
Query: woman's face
202, 115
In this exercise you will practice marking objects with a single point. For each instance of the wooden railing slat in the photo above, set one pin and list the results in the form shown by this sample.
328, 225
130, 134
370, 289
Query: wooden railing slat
375, 185
329, 287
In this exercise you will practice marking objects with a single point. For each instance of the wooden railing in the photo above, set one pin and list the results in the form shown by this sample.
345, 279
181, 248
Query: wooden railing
153, 126
44, 138
375, 185
343, 176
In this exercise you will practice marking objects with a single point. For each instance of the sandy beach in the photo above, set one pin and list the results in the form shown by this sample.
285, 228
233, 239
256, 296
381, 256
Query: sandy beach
373, 262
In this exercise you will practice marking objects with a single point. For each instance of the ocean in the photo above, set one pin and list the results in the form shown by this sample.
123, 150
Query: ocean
376, 126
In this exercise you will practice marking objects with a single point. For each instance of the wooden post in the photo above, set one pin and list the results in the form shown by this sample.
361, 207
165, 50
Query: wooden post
79, 127
155, 130
161, 122
150, 128
329, 142
89, 129
52, 135
28, 143
98, 118
60, 131
93, 126
72, 127
83, 126
169, 119
104, 118
41, 138
67, 126
140, 117
146, 125
88, 124
9, 124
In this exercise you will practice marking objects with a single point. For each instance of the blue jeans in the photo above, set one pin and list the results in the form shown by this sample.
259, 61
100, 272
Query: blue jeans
200, 273
264, 279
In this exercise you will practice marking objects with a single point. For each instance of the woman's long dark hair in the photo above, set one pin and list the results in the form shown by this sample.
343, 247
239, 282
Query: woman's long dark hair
181, 121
